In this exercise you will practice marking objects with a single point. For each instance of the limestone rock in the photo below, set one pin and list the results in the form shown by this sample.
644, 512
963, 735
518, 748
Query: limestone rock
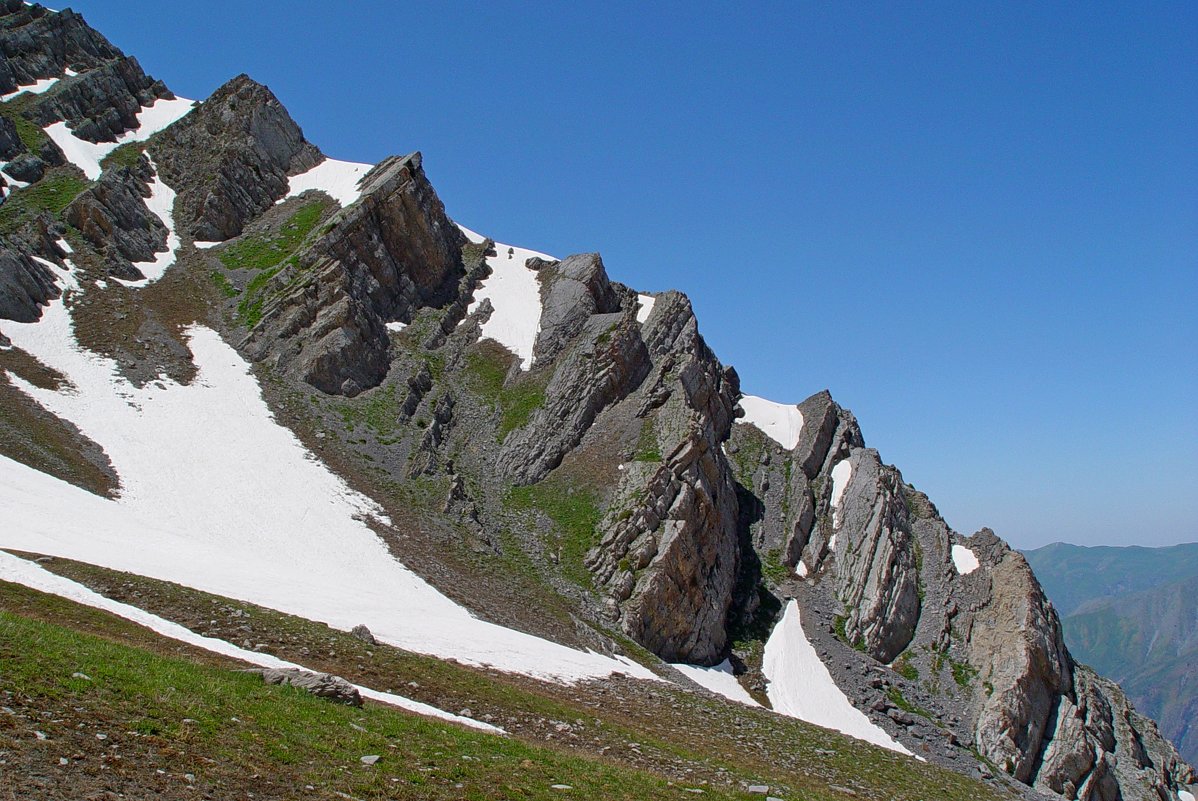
322, 685
25, 286
383, 258
230, 158
112, 216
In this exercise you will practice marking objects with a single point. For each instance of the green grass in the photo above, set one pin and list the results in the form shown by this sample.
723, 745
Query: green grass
647, 447
127, 155
773, 569
53, 194
963, 672
247, 728
906, 668
487, 370
378, 410
898, 699
576, 514
518, 402
224, 285
31, 136
485, 373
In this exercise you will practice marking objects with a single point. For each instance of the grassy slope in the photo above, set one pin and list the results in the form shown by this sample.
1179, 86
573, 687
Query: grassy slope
661, 731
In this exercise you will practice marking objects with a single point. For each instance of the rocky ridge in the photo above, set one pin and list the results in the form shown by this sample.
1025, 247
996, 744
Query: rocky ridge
699, 526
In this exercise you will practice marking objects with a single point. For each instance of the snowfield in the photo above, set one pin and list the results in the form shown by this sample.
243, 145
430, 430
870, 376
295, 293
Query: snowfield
215, 495
801, 686
515, 295
965, 560
338, 179
87, 155
842, 473
32, 575
781, 422
161, 203
719, 680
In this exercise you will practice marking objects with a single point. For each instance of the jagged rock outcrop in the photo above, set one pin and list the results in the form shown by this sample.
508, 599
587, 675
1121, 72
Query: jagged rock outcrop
386, 256
99, 103
669, 558
588, 326
230, 158
10, 141
25, 285
113, 217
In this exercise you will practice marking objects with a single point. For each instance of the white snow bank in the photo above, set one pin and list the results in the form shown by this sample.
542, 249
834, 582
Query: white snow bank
162, 204
842, 472
644, 307
29, 574
965, 560
781, 422
217, 496
396, 326
719, 680
36, 88
150, 120
1184, 795
338, 179
206, 245
801, 686
515, 295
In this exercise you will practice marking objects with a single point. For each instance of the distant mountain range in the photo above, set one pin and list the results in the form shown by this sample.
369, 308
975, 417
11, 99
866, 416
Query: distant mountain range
1132, 615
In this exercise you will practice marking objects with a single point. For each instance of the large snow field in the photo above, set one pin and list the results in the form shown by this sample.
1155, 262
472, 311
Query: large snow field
215, 495
22, 571
515, 295
87, 155
781, 422
338, 179
801, 686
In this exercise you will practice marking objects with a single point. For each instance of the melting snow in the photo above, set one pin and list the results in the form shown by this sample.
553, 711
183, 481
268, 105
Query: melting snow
206, 245
965, 560
802, 569
1185, 796
162, 204
801, 686
841, 473
30, 574
338, 179
644, 307
217, 496
719, 680
781, 422
36, 88
515, 295
88, 155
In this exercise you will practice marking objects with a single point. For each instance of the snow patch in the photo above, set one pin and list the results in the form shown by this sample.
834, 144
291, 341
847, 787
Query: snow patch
719, 680
1183, 795
38, 87
338, 179
162, 204
841, 473
799, 685
29, 574
214, 494
802, 569
150, 120
515, 295
644, 307
396, 326
781, 422
206, 245
965, 560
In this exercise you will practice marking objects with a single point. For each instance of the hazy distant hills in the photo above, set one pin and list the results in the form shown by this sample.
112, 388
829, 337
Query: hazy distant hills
1132, 614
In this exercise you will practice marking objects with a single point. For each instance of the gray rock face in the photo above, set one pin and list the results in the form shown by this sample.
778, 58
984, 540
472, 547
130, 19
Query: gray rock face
113, 217
99, 103
669, 558
230, 158
25, 286
10, 143
384, 257
26, 167
572, 291
322, 685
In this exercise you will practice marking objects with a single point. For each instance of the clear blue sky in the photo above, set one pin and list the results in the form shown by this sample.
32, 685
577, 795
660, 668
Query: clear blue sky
976, 223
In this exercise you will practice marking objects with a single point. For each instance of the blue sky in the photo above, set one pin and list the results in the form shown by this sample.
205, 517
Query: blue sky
976, 224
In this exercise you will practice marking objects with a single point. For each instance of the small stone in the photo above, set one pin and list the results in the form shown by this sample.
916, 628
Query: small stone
370, 759
189, 777
758, 789
64, 761
560, 787
41, 735
101, 736
362, 633
78, 675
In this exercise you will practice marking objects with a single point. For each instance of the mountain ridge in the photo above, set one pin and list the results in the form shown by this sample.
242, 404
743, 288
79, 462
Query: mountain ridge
613, 463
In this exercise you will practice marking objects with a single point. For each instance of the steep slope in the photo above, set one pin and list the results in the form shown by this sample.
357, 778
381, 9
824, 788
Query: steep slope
313, 391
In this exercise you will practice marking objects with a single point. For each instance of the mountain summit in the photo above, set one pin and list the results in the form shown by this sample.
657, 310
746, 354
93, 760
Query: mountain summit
239, 367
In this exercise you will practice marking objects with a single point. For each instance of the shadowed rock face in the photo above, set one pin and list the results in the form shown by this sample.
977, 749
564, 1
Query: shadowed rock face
381, 259
229, 160
25, 286
113, 217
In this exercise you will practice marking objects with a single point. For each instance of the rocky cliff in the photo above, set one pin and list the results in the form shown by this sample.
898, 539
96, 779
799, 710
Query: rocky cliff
614, 461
